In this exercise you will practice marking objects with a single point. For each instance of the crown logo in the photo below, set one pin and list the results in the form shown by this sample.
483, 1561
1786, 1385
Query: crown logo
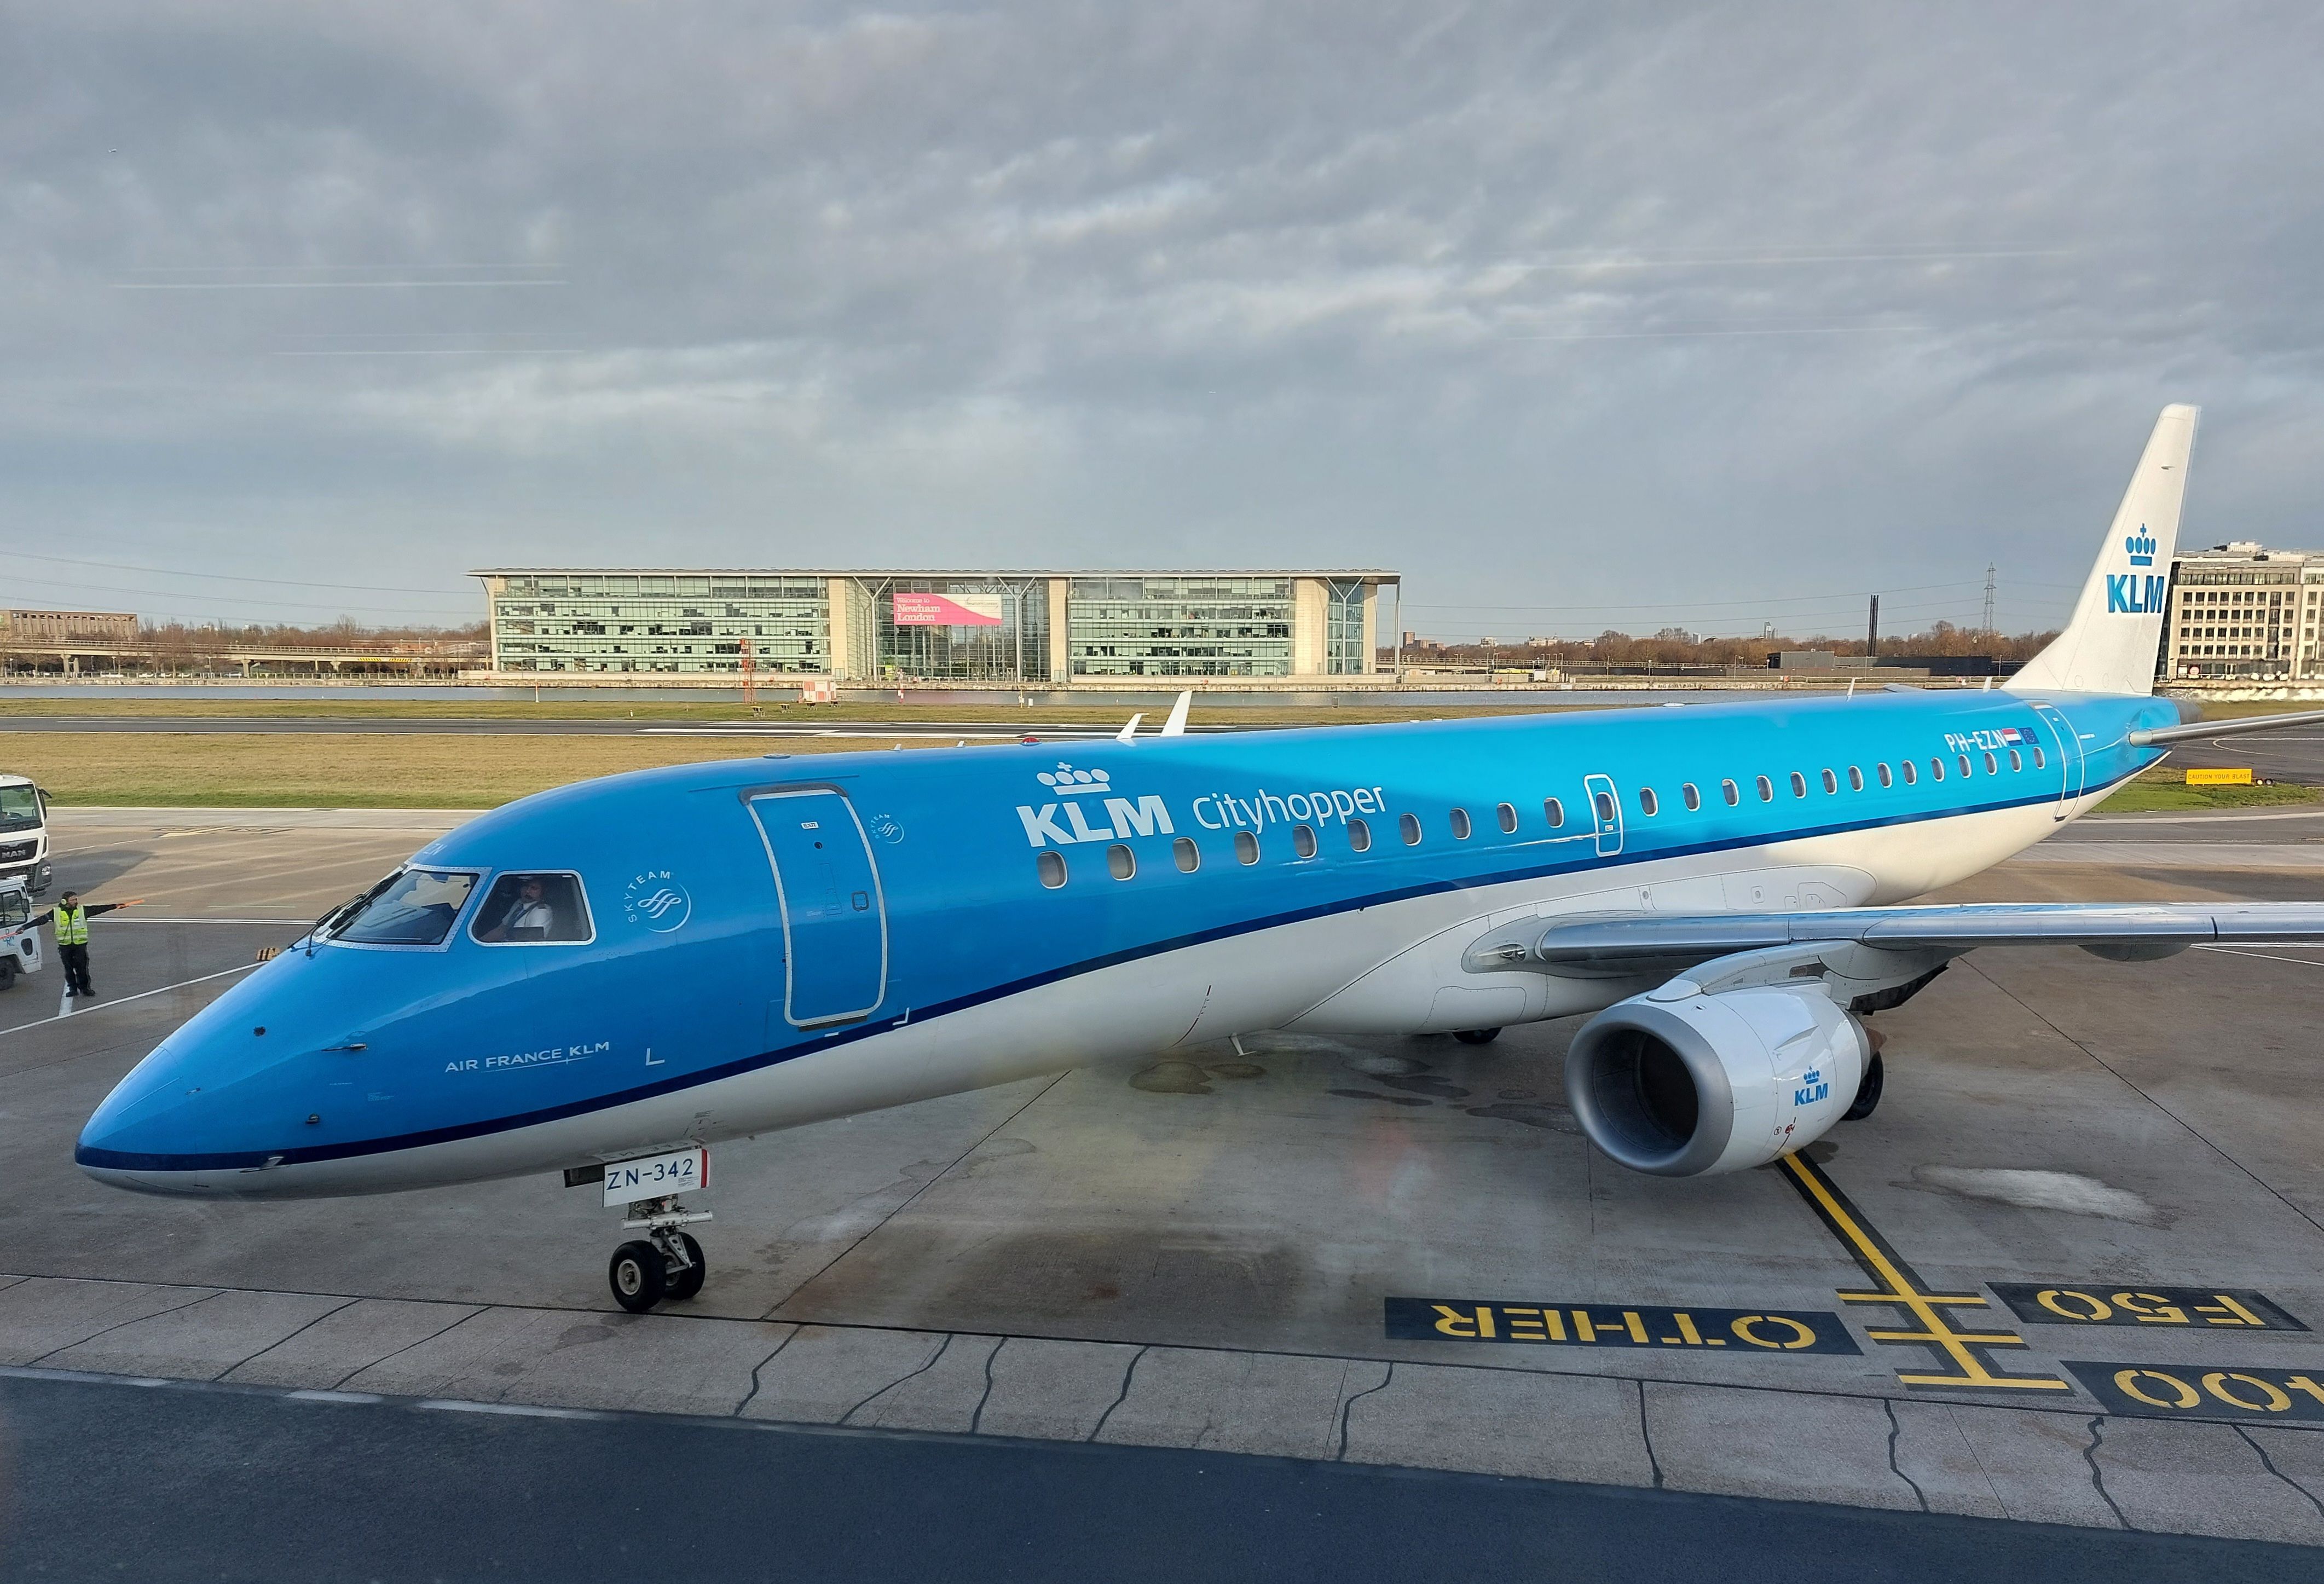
2141, 546
1065, 778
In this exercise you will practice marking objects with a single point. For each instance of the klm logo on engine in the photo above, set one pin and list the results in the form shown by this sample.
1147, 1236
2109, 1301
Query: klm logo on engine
2127, 591
1068, 821
1814, 1087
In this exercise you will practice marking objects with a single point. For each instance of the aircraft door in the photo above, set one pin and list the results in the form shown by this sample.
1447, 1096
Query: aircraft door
1605, 813
2070, 759
835, 918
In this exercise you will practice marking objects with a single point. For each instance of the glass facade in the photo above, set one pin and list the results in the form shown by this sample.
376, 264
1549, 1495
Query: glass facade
1016, 650
660, 621
1179, 626
1054, 628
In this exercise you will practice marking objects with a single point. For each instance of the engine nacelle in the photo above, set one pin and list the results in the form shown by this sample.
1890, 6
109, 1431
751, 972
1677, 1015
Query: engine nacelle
1684, 1084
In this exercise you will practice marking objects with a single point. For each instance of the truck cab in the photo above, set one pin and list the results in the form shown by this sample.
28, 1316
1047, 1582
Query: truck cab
24, 834
20, 942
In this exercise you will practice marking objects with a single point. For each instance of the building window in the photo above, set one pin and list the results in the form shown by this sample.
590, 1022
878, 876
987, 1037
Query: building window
1052, 866
1188, 856
1120, 863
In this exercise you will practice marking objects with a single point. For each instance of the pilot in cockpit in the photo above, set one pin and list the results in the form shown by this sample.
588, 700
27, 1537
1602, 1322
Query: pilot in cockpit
525, 916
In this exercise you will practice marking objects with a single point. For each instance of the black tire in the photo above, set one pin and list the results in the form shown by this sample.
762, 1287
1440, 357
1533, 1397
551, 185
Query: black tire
687, 1283
639, 1276
1476, 1035
7, 970
1867, 1093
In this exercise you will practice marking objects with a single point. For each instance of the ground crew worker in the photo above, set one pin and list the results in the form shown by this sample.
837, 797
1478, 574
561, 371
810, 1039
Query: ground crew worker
70, 919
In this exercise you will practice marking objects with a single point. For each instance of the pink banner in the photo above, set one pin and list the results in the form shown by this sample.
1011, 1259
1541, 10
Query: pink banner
959, 610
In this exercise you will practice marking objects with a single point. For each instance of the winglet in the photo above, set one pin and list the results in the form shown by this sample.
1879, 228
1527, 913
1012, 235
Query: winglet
2110, 646
1129, 731
1175, 726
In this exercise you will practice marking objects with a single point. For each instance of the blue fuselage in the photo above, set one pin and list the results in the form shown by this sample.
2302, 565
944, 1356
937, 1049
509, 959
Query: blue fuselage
756, 942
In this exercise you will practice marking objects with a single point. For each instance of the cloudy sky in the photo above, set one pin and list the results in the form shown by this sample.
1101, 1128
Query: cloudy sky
1579, 315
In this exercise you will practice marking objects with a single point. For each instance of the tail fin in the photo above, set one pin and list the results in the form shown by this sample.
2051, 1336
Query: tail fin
2110, 645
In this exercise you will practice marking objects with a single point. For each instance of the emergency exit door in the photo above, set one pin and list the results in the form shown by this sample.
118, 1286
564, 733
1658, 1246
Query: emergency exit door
2070, 759
835, 919
1605, 813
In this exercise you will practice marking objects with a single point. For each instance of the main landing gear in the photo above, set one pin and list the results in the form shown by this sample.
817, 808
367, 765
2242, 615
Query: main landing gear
666, 1263
1867, 1093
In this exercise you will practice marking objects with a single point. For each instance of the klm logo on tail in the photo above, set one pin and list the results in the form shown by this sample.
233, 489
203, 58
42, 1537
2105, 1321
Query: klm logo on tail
2128, 592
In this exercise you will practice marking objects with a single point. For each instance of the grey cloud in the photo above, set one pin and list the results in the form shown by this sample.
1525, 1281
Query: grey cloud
1703, 305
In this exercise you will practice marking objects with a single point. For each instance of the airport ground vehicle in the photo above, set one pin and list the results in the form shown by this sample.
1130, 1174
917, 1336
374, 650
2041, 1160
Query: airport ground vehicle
24, 834
20, 938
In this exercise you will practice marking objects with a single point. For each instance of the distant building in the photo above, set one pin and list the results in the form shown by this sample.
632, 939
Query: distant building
994, 627
2241, 610
63, 627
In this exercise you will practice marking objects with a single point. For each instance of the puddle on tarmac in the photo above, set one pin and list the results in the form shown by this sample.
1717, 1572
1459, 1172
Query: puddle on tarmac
1236, 1069
1377, 1066
2068, 1192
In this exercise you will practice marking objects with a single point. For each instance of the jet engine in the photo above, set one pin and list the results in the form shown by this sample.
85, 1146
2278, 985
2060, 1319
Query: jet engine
1682, 1083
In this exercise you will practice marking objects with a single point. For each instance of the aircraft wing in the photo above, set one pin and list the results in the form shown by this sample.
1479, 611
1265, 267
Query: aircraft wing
1656, 943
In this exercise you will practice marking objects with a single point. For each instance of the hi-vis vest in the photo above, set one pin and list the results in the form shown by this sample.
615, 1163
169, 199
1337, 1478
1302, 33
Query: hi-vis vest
72, 926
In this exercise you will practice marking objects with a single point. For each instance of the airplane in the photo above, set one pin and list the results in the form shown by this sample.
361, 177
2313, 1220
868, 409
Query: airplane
609, 978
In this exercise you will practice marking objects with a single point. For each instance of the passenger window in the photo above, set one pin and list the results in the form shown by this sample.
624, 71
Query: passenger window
1359, 835
1604, 801
1882, 770
1189, 856
1693, 798
1728, 790
1855, 779
1460, 824
1507, 814
1767, 790
1911, 775
1303, 840
2015, 763
1936, 769
413, 909
1120, 863
1052, 866
532, 910
1830, 782
1799, 785
1965, 768
1553, 811
2039, 762
1646, 800
1992, 765
1246, 847
1409, 824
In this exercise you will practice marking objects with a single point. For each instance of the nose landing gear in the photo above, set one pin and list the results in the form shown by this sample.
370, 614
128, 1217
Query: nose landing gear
667, 1263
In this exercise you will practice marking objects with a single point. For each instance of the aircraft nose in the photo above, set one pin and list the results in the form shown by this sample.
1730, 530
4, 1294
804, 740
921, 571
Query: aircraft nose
151, 1122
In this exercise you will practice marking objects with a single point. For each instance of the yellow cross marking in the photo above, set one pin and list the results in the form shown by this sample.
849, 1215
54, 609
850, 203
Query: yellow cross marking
1936, 1330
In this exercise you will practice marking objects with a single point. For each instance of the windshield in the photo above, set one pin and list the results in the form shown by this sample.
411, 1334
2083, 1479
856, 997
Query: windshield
15, 908
413, 909
20, 808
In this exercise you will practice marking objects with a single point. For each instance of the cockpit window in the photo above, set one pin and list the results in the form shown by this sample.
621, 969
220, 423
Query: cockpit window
532, 909
415, 907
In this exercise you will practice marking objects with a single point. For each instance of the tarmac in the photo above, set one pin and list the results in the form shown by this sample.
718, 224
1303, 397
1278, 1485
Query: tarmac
2064, 1275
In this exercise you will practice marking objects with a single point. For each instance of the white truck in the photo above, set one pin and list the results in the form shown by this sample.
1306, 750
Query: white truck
24, 834
20, 940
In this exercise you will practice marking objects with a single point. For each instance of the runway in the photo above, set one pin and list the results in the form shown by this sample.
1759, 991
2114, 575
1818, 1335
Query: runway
1207, 1257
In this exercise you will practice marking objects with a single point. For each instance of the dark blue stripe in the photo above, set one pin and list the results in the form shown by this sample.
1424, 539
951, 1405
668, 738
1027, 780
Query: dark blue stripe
130, 1161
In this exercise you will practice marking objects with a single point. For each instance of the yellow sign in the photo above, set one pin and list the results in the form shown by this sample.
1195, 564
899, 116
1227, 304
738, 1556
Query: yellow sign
2238, 778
